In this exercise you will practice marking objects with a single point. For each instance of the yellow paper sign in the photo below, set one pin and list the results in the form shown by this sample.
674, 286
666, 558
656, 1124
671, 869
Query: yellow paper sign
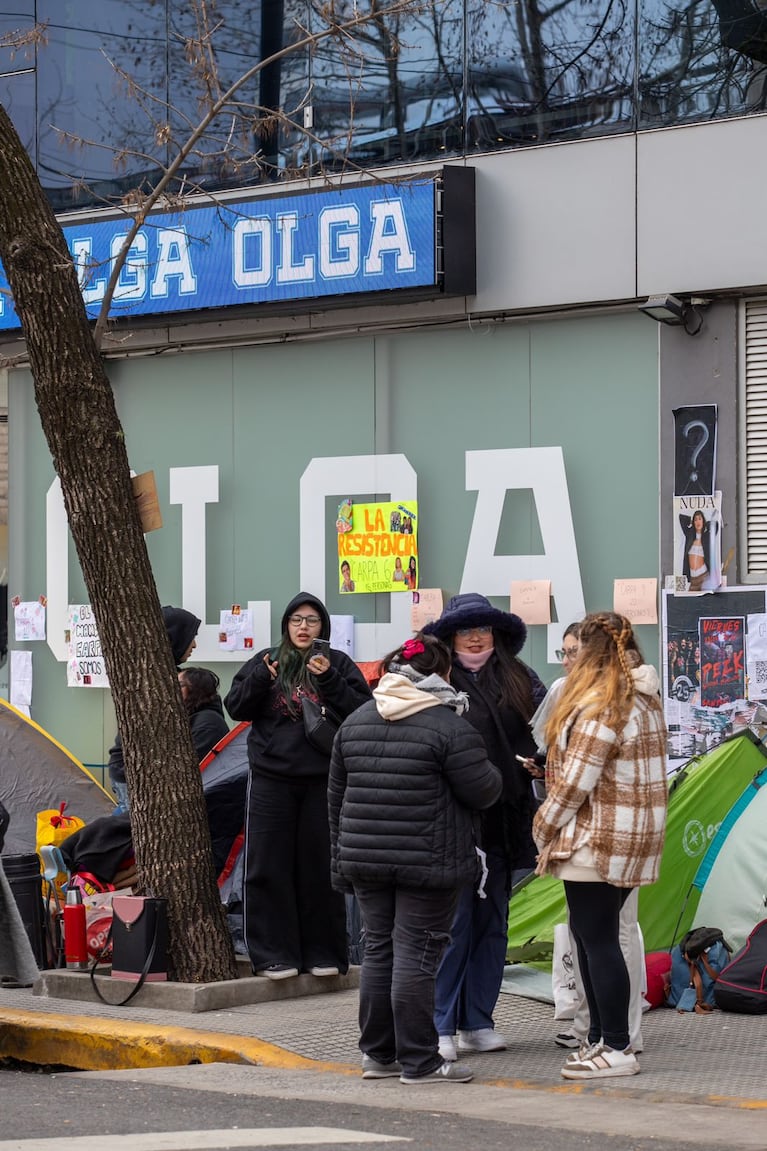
637, 599
531, 600
427, 606
380, 553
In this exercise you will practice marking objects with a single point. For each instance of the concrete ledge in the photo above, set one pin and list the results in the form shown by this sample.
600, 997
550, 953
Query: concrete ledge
190, 997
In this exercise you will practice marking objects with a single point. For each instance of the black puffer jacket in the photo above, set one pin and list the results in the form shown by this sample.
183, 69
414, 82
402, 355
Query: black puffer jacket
401, 797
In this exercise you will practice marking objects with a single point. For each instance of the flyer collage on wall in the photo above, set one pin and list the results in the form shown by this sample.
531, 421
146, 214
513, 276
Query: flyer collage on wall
714, 636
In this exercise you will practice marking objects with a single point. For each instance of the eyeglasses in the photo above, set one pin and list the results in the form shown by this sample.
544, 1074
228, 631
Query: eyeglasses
310, 620
563, 653
483, 629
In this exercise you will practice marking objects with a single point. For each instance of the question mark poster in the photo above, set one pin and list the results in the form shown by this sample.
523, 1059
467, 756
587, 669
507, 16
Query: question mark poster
697, 543
695, 450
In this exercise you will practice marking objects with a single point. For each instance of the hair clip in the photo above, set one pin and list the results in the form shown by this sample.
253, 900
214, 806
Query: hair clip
412, 647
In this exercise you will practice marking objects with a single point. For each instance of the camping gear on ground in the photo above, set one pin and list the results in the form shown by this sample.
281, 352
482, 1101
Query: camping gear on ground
98, 852
742, 984
695, 965
658, 967
723, 787
38, 771
75, 939
18, 964
225, 774
139, 938
26, 884
52, 828
52, 865
320, 724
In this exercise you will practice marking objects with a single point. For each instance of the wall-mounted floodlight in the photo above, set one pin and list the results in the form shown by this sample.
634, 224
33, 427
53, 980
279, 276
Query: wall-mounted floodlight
669, 309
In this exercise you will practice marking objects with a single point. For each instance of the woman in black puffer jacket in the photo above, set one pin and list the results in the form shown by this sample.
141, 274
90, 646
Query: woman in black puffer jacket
406, 776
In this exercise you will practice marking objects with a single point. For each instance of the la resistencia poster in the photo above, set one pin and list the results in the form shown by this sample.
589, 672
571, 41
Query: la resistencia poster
380, 551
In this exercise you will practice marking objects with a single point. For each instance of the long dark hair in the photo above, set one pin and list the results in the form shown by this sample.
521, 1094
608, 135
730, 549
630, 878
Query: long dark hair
424, 653
515, 687
202, 687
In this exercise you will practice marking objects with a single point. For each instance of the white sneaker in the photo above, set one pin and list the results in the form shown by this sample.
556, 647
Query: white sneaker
601, 1062
485, 1039
322, 972
447, 1048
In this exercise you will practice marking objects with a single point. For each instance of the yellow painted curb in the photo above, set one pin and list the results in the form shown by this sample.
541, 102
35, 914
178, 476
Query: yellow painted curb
93, 1044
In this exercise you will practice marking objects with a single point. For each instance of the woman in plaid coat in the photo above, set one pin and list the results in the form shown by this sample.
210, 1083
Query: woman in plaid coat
601, 827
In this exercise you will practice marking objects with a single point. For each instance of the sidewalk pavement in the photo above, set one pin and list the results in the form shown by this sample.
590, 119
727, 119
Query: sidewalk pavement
311, 1024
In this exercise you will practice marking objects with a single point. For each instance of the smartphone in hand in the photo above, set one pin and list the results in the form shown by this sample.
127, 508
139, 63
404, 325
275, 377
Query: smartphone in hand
321, 647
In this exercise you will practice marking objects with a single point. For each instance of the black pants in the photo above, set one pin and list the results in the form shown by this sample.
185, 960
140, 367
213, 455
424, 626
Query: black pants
292, 914
595, 924
406, 933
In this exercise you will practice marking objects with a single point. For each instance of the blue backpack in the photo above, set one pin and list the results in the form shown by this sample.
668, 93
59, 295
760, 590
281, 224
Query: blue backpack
695, 965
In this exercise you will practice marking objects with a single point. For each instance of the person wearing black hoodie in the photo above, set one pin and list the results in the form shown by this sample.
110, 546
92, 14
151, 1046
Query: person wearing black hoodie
182, 628
294, 921
199, 691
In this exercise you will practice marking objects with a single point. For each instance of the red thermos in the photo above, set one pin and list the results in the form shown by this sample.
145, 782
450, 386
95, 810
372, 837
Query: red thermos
75, 936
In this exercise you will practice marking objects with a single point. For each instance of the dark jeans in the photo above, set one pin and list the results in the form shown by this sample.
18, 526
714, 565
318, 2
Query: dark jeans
471, 971
292, 915
595, 925
406, 932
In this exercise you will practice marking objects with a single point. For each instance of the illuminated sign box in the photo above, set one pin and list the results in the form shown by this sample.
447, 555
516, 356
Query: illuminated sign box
413, 238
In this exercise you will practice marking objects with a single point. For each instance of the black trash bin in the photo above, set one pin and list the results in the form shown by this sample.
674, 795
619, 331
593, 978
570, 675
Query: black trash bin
23, 875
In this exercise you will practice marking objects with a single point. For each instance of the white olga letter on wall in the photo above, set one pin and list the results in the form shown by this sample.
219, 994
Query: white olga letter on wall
491, 474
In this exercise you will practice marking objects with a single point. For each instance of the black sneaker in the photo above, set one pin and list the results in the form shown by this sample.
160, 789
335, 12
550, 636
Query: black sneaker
447, 1073
278, 971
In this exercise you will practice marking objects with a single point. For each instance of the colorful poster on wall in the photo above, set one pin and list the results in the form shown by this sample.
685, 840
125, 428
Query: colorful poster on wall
236, 629
707, 696
85, 660
722, 660
29, 620
380, 553
697, 543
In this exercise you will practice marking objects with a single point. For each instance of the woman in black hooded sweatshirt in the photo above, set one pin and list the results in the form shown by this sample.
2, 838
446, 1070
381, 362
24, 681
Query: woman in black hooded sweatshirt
294, 921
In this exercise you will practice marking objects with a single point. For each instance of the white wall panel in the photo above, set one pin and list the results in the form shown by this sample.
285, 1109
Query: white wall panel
702, 220
556, 225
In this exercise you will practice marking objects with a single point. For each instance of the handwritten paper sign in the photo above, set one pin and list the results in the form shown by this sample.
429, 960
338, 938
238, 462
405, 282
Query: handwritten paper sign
236, 629
637, 599
531, 600
29, 620
427, 606
85, 660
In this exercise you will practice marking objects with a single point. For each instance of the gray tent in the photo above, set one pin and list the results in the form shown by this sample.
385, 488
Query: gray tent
37, 773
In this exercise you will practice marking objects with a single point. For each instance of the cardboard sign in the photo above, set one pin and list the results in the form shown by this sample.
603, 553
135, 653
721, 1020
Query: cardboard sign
531, 600
145, 495
636, 599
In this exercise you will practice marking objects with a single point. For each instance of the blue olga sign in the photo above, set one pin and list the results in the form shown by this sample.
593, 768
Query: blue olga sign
306, 246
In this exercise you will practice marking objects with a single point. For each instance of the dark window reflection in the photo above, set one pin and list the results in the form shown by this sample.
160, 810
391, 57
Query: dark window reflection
543, 71
16, 16
86, 108
688, 72
17, 95
394, 92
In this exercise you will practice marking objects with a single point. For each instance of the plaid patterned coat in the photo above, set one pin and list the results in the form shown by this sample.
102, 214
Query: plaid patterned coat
607, 789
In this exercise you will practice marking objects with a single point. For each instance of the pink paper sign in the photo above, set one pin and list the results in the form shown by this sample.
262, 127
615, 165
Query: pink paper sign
637, 599
427, 606
531, 600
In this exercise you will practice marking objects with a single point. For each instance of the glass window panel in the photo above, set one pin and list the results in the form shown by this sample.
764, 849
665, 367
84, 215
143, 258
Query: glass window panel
243, 145
546, 70
86, 110
16, 16
17, 95
686, 70
392, 91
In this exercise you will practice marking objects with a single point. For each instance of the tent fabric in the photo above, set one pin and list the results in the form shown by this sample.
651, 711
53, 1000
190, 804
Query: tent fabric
734, 885
700, 798
225, 774
38, 773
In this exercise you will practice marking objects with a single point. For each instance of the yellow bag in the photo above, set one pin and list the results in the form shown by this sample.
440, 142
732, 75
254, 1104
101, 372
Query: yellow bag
53, 827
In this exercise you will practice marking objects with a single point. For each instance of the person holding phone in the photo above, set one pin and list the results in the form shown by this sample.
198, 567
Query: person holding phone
293, 920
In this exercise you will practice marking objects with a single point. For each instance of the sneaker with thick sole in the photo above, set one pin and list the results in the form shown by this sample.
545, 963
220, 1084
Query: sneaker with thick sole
447, 1048
447, 1073
567, 1039
583, 1052
372, 1069
278, 971
322, 972
484, 1039
601, 1063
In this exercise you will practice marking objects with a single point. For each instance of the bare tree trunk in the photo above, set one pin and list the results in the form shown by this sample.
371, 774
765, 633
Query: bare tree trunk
87, 443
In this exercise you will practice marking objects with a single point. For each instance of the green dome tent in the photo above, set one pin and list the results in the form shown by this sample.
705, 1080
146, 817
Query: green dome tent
702, 795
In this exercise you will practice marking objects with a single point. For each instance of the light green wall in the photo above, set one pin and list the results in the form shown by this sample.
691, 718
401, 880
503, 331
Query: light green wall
261, 414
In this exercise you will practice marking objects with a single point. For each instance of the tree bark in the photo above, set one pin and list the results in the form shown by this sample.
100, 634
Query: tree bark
78, 415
